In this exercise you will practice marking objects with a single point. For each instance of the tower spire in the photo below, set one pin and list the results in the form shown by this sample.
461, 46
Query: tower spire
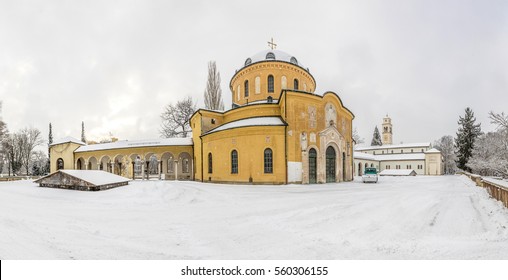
387, 131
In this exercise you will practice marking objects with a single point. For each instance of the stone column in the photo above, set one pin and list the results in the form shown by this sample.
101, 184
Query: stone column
160, 168
176, 170
142, 170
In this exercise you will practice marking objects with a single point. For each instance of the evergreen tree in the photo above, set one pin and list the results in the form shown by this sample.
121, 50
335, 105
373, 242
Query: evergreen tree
83, 138
50, 141
467, 134
213, 92
376, 138
50, 136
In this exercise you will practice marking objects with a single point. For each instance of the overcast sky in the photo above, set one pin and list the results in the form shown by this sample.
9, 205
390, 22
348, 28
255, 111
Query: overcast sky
116, 64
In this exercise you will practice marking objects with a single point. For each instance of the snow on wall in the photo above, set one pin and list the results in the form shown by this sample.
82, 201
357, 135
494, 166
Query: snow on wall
294, 171
134, 144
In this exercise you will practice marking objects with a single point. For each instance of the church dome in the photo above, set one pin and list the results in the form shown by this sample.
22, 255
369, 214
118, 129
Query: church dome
273, 55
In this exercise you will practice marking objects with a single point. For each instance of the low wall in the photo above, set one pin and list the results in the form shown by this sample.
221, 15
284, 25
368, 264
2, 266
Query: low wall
497, 189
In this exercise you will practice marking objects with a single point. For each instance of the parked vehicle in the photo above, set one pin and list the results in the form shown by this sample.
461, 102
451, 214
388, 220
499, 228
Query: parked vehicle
370, 175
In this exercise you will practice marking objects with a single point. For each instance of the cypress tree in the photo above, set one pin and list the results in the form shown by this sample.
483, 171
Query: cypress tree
50, 141
467, 134
83, 138
50, 136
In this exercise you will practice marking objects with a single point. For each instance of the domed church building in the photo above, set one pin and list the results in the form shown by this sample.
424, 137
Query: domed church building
278, 130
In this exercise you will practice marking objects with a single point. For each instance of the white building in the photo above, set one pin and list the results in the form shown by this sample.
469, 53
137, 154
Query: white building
420, 157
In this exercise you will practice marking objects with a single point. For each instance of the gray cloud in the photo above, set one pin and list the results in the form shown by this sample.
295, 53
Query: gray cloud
115, 64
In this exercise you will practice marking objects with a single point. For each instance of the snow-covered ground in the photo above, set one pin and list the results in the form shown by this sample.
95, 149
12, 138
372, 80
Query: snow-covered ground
420, 217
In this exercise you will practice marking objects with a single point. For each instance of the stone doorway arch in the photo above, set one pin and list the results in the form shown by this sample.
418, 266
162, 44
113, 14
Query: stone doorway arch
331, 164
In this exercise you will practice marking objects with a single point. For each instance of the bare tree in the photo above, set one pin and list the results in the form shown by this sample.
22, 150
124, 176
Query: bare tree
501, 120
38, 164
176, 118
356, 137
490, 156
12, 149
213, 92
3, 134
29, 139
445, 144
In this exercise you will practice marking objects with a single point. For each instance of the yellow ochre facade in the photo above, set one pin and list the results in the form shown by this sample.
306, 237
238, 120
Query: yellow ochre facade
277, 132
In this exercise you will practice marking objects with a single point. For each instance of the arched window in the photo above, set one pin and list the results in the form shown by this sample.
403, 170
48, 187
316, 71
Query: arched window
293, 60
234, 162
153, 165
270, 83
246, 88
137, 165
270, 55
295, 83
269, 99
248, 61
59, 164
268, 161
210, 166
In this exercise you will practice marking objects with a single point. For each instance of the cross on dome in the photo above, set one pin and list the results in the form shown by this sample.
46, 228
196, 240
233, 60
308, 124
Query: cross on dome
272, 45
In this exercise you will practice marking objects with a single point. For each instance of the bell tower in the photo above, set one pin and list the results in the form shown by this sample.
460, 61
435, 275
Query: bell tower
387, 130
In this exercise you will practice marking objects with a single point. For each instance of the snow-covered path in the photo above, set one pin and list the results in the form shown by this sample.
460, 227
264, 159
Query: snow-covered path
412, 217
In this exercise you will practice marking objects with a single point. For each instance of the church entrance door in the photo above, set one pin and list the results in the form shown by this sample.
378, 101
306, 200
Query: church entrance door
312, 166
330, 164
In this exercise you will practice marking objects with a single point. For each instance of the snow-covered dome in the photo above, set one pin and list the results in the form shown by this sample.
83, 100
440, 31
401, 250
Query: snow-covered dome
273, 55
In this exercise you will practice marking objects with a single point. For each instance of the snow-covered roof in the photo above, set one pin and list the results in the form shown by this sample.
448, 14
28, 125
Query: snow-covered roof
96, 177
259, 121
277, 56
67, 140
263, 101
396, 146
360, 155
397, 172
433, 151
134, 144
389, 157
412, 156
